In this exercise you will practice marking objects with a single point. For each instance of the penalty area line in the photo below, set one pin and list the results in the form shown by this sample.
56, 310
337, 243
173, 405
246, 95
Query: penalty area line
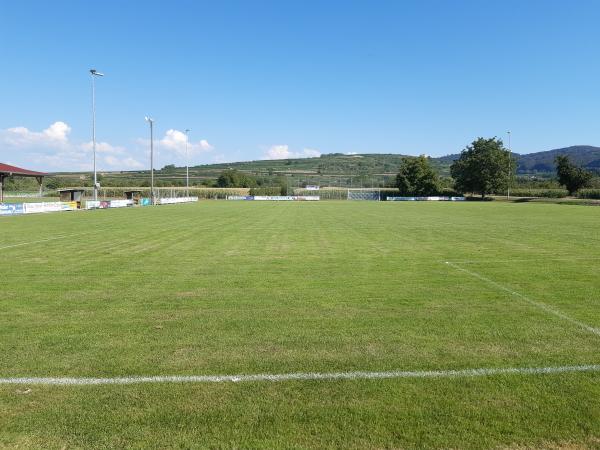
302, 376
535, 303
20, 244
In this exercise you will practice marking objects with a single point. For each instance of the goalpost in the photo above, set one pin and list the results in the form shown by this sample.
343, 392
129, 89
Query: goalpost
364, 194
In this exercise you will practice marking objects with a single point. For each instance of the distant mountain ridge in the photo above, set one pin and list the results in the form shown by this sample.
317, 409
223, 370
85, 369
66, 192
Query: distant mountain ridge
586, 156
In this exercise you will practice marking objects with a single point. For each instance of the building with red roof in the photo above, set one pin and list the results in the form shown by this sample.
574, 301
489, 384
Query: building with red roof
6, 170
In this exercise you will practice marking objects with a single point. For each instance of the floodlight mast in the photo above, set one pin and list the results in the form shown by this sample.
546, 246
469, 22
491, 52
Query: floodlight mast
94, 73
509, 168
187, 164
151, 122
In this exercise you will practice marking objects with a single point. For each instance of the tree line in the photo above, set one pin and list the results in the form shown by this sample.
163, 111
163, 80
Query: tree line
484, 167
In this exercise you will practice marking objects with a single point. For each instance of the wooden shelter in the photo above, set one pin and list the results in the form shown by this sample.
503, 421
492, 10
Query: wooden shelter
6, 170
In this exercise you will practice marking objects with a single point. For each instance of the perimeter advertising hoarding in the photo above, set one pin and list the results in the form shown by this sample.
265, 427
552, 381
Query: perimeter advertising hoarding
425, 199
11, 209
120, 203
96, 204
277, 198
240, 197
32, 208
173, 200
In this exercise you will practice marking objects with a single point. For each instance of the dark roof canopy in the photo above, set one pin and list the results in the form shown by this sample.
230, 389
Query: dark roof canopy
7, 169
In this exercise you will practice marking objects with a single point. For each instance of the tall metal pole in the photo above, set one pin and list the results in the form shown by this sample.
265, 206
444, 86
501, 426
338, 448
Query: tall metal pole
509, 167
152, 159
94, 134
94, 73
151, 122
187, 165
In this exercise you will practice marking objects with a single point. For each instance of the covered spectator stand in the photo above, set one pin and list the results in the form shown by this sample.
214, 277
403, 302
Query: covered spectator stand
6, 170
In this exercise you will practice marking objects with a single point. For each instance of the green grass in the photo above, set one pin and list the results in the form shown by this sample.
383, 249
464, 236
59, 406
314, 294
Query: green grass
251, 287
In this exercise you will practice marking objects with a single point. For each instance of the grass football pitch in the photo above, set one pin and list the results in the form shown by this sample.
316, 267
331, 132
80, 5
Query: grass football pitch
412, 290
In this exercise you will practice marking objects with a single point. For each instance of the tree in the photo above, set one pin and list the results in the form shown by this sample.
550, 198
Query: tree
231, 178
484, 167
284, 187
571, 176
417, 177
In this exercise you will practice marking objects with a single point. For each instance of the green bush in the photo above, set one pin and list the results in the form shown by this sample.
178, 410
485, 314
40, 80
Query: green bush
589, 193
545, 193
449, 192
200, 192
273, 190
385, 193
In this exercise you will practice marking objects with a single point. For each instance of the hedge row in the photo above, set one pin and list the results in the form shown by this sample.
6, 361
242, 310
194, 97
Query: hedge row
545, 193
589, 193
203, 193
274, 190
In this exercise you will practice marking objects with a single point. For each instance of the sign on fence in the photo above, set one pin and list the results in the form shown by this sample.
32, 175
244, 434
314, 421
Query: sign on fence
11, 209
120, 203
426, 199
32, 208
173, 200
277, 198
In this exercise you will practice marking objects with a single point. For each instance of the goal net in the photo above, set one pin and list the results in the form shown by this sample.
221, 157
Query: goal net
363, 195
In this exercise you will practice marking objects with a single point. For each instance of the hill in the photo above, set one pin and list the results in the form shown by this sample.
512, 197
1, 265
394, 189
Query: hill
335, 169
541, 162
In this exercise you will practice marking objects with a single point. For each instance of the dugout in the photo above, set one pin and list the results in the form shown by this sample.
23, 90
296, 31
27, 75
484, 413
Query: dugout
133, 195
71, 195
6, 170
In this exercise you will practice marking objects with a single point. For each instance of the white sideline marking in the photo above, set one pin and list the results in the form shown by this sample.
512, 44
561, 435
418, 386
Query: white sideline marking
302, 376
536, 259
43, 240
540, 305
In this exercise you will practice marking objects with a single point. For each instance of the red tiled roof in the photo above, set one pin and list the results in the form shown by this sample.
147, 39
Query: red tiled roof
8, 169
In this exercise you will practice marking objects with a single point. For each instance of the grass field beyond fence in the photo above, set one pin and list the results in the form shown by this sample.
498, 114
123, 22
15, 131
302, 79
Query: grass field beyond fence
244, 288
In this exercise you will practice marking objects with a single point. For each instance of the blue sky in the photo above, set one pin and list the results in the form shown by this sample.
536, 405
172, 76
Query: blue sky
293, 78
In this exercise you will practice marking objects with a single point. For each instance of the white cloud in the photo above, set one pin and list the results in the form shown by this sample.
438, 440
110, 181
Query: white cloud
55, 136
175, 140
52, 150
112, 162
283, 151
310, 153
103, 147
278, 152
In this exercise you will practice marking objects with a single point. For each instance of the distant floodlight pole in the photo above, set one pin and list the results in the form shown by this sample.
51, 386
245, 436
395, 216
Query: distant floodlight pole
94, 73
509, 168
187, 164
151, 122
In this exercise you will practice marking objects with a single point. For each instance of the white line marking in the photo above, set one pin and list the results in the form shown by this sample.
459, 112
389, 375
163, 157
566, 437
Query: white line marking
540, 305
302, 376
43, 240
536, 259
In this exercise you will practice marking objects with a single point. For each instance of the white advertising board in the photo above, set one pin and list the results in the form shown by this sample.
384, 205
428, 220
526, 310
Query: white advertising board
120, 203
173, 200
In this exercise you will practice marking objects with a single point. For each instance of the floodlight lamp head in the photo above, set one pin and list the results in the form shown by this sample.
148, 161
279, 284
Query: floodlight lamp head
94, 72
149, 119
